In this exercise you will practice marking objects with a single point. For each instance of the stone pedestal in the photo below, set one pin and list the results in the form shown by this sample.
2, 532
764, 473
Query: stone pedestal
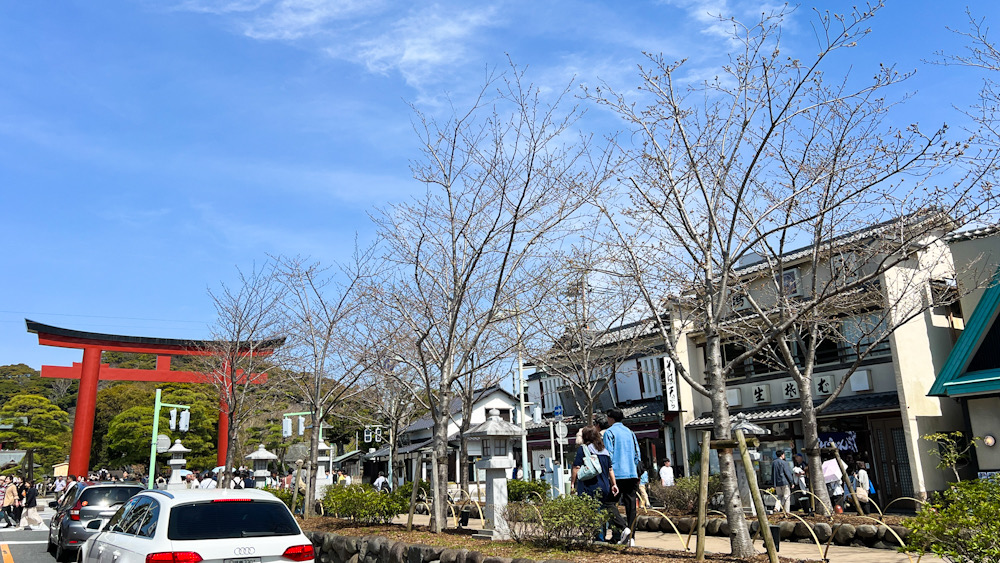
497, 472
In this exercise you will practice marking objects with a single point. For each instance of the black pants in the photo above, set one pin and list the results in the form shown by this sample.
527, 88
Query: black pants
7, 513
628, 491
617, 522
18, 510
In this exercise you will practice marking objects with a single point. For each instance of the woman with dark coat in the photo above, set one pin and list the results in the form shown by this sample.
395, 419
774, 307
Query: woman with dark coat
603, 487
31, 517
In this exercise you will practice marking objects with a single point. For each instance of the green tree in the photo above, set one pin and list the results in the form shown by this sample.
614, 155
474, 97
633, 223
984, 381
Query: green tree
111, 402
37, 424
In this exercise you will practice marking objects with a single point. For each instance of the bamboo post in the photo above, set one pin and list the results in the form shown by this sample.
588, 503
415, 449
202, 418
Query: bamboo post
413, 493
758, 502
706, 450
847, 481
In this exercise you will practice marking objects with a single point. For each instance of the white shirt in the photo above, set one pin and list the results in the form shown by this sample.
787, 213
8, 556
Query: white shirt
347, 480
208, 483
667, 476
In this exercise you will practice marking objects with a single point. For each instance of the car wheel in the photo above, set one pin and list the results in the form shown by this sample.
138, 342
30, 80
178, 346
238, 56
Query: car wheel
51, 548
61, 554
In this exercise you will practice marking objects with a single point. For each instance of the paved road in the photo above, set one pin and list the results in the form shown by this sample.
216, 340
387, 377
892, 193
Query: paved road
19, 546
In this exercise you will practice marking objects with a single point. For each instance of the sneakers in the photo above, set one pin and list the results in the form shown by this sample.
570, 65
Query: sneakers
626, 535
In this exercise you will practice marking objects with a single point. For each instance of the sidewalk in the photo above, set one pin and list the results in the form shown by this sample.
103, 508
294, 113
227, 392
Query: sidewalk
809, 551
837, 553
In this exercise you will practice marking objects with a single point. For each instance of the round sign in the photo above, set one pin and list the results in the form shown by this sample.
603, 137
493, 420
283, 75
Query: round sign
162, 443
561, 430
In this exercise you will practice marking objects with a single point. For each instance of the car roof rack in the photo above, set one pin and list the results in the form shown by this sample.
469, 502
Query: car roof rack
161, 491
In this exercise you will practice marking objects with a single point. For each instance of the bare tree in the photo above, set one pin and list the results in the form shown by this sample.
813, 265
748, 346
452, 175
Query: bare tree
590, 327
246, 332
769, 156
327, 350
498, 179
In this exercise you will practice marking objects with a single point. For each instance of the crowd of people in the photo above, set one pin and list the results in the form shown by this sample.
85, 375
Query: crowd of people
20, 503
793, 480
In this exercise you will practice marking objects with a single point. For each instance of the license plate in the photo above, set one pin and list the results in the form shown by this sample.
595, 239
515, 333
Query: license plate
243, 560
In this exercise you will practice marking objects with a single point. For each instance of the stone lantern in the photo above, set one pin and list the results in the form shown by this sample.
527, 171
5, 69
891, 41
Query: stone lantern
496, 438
176, 463
260, 470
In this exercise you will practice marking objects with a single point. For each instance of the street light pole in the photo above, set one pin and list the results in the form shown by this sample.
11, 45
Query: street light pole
520, 378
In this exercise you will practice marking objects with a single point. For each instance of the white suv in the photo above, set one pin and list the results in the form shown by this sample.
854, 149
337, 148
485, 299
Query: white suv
191, 526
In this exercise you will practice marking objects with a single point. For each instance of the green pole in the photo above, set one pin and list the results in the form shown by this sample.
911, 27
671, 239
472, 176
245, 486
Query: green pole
152, 445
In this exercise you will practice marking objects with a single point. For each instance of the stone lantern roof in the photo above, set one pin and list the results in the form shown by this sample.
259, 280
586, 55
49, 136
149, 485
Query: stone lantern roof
261, 453
743, 423
494, 427
178, 447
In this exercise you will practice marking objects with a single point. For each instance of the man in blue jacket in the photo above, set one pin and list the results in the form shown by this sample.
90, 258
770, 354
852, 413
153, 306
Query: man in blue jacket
783, 479
624, 449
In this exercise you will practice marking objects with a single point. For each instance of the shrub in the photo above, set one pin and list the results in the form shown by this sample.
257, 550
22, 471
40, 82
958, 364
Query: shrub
530, 491
406, 489
363, 504
564, 521
683, 495
285, 496
960, 523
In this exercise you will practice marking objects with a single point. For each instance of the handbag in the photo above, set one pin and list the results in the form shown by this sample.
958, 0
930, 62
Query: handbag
591, 467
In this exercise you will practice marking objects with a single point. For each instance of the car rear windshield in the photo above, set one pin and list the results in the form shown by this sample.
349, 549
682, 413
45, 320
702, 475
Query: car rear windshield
107, 496
230, 519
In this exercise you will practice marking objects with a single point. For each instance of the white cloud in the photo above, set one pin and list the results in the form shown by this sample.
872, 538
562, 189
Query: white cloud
295, 19
424, 41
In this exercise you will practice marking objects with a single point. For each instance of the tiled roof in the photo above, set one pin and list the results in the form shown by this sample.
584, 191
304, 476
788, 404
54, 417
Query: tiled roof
456, 407
633, 413
972, 234
854, 403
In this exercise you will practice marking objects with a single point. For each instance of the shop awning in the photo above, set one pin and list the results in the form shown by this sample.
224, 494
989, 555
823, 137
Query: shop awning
859, 404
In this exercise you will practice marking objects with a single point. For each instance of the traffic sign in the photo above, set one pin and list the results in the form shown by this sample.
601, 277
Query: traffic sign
562, 441
162, 443
561, 430
557, 411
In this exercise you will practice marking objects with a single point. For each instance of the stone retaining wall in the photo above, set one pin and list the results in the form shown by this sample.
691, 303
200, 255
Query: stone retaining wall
335, 548
868, 535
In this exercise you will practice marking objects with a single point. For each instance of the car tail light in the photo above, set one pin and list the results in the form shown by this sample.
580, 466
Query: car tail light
173, 557
299, 552
233, 500
74, 513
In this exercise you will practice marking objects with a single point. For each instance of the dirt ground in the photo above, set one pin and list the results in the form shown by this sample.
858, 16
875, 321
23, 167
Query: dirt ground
462, 539
845, 518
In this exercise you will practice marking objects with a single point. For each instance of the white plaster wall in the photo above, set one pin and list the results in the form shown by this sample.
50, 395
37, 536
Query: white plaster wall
919, 351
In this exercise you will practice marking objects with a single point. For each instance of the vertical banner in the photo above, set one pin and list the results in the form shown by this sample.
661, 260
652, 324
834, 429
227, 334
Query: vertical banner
670, 399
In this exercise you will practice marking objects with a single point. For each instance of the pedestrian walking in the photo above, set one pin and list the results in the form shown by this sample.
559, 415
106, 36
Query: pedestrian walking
783, 480
593, 475
9, 501
624, 449
643, 494
31, 517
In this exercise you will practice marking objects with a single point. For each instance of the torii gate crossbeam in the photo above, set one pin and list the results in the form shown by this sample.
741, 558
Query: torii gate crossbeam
90, 371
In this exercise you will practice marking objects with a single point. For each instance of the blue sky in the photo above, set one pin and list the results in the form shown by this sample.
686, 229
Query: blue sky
148, 148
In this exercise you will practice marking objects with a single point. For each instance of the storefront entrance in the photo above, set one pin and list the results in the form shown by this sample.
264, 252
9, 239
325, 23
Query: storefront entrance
891, 463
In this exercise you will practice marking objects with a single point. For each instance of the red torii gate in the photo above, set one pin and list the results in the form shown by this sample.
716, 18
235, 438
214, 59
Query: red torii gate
91, 370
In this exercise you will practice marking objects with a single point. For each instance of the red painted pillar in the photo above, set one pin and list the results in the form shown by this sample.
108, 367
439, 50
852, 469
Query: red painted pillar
223, 432
86, 404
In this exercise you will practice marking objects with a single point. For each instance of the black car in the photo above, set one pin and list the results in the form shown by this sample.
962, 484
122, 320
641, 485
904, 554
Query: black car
85, 502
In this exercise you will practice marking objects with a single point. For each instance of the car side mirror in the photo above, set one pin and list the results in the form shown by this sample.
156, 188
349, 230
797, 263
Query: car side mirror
53, 504
95, 524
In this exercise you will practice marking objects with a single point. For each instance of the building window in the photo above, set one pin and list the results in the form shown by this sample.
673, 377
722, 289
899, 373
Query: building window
861, 332
790, 283
651, 376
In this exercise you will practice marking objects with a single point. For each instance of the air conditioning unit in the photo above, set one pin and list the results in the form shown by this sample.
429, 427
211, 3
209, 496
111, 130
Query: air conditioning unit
861, 381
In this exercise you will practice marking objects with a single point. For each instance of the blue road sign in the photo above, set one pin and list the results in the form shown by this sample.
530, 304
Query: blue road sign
557, 411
